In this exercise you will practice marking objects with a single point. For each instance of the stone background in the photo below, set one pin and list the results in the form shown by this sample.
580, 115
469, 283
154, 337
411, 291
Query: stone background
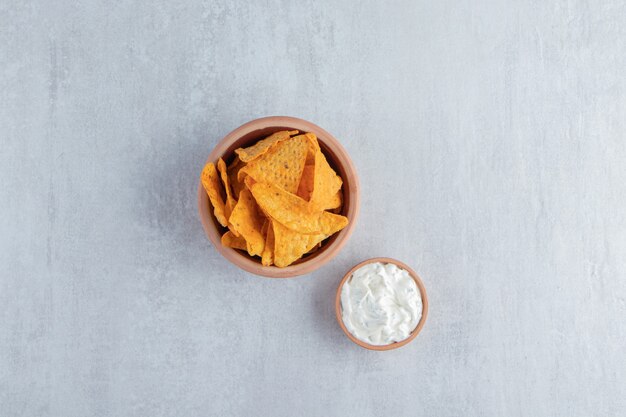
490, 139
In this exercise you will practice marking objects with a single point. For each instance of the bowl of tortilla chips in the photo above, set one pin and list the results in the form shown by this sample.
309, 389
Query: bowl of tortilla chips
278, 197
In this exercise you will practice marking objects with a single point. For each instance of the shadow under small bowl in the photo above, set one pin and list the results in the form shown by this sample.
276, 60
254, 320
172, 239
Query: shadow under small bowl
247, 135
420, 286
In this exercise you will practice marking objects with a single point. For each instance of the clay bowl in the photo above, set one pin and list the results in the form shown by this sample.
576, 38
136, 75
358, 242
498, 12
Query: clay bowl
337, 157
420, 286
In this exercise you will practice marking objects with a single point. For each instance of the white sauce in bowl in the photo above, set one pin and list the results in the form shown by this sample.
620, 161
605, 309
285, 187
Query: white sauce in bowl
381, 304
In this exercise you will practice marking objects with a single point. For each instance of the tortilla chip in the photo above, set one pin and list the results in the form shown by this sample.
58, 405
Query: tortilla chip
230, 240
281, 165
267, 258
325, 185
286, 208
233, 170
331, 223
335, 202
305, 190
314, 147
249, 182
315, 248
306, 183
230, 201
289, 246
313, 141
250, 153
248, 222
211, 183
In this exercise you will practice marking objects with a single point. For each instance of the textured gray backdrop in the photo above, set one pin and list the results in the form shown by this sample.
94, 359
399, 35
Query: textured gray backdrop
490, 138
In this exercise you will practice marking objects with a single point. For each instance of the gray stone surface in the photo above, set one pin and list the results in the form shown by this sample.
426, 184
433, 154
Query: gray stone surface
490, 138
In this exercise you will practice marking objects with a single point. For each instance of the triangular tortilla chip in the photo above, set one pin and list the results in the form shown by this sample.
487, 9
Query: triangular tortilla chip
249, 182
306, 182
290, 246
315, 248
267, 258
230, 240
335, 202
281, 165
331, 223
230, 201
266, 225
248, 222
314, 147
325, 185
286, 208
211, 183
305, 189
250, 153
233, 170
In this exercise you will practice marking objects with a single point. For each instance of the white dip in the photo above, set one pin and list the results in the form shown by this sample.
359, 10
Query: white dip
381, 304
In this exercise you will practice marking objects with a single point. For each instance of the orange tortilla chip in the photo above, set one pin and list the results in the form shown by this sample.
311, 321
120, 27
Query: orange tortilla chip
230, 240
290, 246
267, 258
315, 248
325, 185
286, 208
250, 153
248, 222
313, 141
249, 182
335, 202
230, 201
266, 225
331, 223
281, 165
211, 183
233, 170
314, 147
306, 183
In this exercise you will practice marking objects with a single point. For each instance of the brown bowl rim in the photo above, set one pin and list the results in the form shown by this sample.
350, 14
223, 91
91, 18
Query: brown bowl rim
420, 285
326, 253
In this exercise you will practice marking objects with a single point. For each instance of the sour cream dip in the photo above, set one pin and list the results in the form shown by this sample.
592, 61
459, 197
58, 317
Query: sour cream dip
380, 304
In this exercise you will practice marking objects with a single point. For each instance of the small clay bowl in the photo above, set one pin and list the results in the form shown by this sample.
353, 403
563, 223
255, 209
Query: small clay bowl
247, 135
420, 286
